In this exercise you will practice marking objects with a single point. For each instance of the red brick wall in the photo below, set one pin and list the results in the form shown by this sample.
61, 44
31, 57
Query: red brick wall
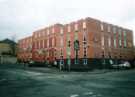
94, 36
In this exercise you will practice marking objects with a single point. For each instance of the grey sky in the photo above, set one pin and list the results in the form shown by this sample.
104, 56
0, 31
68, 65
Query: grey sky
21, 17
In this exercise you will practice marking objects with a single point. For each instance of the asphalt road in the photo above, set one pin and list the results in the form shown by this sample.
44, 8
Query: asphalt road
16, 81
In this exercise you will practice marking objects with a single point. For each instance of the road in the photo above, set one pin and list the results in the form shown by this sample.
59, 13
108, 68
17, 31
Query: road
27, 82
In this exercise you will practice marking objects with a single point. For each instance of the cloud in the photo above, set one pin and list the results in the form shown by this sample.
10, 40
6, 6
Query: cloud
22, 17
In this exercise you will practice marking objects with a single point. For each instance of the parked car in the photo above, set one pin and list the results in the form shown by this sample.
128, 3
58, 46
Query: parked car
124, 65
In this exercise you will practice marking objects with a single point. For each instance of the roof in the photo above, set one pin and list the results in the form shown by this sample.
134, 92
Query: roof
8, 41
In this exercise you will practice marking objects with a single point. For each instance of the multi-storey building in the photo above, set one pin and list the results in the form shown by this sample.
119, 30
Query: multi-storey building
85, 43
25, 49
46, 43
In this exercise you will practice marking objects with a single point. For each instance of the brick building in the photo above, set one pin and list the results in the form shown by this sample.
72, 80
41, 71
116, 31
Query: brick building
87, 43
25, 49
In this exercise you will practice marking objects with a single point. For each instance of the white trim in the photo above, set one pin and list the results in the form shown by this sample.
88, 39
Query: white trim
109, 41
61, 31
76, 27
101, 26
84, 25
53, 30
69, 28
48, 31
102, 41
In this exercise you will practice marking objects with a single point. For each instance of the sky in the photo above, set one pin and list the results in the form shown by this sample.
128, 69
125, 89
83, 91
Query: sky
19, 18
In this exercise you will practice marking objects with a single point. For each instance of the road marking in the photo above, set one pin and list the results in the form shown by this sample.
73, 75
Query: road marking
88, 93
74, 95
92, 94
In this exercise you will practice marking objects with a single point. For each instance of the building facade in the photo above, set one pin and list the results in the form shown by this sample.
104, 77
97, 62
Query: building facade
86, 43
25, 49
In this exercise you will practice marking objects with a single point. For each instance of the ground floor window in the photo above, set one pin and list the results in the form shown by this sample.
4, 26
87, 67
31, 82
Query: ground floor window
111, 62
85, 61
103, 61
76, 61
68, 61
61, 62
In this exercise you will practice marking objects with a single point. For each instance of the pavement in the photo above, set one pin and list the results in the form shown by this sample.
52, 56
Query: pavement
17, 81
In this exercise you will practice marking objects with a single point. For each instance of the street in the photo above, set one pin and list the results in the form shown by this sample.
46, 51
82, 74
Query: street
17, 81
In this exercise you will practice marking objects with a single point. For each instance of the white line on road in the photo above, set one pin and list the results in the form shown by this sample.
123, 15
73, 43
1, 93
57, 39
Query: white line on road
74, 95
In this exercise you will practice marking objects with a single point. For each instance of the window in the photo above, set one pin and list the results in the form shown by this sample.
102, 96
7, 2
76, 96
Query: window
36, 35
68, 51
69, 28
114, 29
109, 42
39, 34
84, 42
120, 36
35, 45
76, 61
61, 31
102, 26
39, 44
102, 40
76, 36
47, 31
52, 29
76, 27
84, 25
84, 52
43, 43
52, 41
61, 42
115, 42
125, 42
120, 43
69, 43
69, 61
61, 54
47, 43
109, 28
43, 33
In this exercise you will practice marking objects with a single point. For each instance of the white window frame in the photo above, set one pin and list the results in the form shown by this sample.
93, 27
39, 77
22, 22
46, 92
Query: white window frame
53, 30
85, 61
43, 43
120, 37
103, 41
39, 44
61, 41
76, 27
69, 28
38, 34
109, 41
84, 25
48, 32
85, 45
109, 28
52, 41
114, 29
47, 42
101, 26
61, 31
125, 40
115, 45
